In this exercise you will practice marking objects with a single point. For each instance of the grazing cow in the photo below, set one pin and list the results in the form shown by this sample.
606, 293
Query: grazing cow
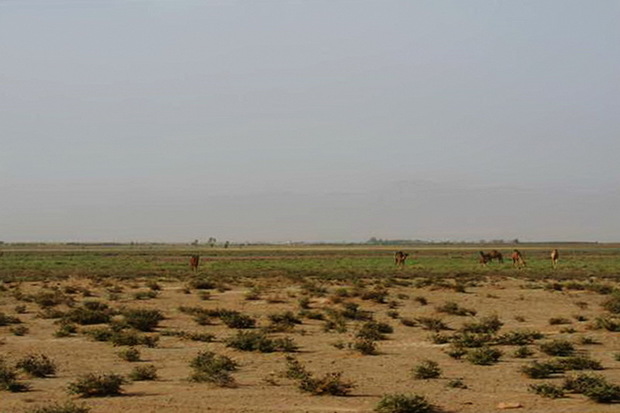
399, 258
488, 257
194, 260
517, 259
555, 256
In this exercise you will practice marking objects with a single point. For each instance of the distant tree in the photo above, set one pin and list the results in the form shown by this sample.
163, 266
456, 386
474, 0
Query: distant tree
226, 244
212, 241
195, 242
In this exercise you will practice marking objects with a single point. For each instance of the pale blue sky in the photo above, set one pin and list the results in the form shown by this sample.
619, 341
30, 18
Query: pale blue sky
168, 120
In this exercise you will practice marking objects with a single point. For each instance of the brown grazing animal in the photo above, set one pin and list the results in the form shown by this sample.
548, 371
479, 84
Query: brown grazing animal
517, 259
555, 256
194, 260
488, 257
399, 258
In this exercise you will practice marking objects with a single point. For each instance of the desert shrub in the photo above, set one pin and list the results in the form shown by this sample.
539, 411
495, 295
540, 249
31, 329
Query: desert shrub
548, 390
130, 354
420, 300
580, 317
97, 385
428, 369
378, 295
452, 308
213, 368
234, 319
393, 314
484, 356
432, 323
541, 370
67, 407
259, 341
617, 356
408, 322
587, 340
365, 346
202, 337
456, 351
402, 403
8, 379
19, 330
335, 322
6, 319
331, 383
143, 373
352, 311
202, 284
519, 337
439, 338
202, 319
145, 295
593, 386
99, 334
374, 330
558, 320
607, 323
89, 313
560, 348
471, 340
65, 330
523, 352
46, 299
253, 294
153, 285
486, 325
312, 315
456, 384
37, 365
284, 321
579, 362
612, 304
143, 319
295, 370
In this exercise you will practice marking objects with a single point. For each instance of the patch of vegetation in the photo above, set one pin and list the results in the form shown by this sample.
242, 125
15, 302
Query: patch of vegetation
432, 323
365, 346
97, 385
484, 356
373, 330
558, 320
8, 379
519, 337
403, 403
67, 407
523, 352
6, 320
580, 362
456, 384
427, 369
37, 365
331, 383
561, 348
213, 368
19, 330
130, 354
261, 342
234, 319
547, 390
486, 325
142, 319
541, 370
143, 373
91, 312
593, 386
452, 308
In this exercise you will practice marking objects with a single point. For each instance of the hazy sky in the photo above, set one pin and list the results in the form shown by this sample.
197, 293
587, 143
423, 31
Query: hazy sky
171, 120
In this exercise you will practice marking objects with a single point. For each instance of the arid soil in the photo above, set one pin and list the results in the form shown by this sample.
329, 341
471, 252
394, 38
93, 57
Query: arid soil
260, 382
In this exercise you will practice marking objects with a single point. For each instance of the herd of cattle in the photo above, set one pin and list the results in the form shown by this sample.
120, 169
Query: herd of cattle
400, 257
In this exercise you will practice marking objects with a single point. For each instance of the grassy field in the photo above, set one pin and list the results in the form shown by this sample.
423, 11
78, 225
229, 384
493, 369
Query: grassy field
272, 328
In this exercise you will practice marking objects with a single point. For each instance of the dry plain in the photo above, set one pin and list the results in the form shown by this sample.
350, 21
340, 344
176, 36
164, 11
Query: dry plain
320, 305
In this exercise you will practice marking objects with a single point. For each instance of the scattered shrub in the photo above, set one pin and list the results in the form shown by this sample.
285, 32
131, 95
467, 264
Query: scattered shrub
428, 369
486, 325
558, 320
234, 319
130, 354
8, 379
519, 337
143, 373
19, 330
456, 384
450, 307
579, 362
365, 346
612, 304
401, 403
330, 383
97, 385
213, 368
484, 356
560, 348
541, 370
432, 323
143, 319
5, 319
373, 330
523, 352
37, 365
548, 390
65, 330
67, 407
420, 300
259, 341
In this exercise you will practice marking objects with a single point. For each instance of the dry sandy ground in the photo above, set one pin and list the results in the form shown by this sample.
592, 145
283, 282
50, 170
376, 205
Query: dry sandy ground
374, 376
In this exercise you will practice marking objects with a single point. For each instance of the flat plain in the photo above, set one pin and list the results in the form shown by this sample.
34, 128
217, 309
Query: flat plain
321, 328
